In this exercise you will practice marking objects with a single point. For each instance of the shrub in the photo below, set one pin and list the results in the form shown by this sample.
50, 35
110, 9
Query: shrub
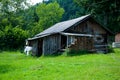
12, 38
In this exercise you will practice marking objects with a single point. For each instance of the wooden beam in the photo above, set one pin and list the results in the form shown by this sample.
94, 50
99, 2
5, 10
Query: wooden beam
67, 41
75, 34
59, 41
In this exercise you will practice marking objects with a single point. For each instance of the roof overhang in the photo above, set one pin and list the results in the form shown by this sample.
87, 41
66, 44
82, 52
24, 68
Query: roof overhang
75, 34
37, 37
62, 33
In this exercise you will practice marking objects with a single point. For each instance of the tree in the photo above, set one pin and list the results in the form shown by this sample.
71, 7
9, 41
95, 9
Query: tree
48, 15
10, 12
7, 6
30, 17
12, 38
69, 6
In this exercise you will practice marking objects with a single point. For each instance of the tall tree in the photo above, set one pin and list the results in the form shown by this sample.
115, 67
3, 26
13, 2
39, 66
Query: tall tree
12, 5
11, 22
10, 12
30, 17
48, 14
69, 6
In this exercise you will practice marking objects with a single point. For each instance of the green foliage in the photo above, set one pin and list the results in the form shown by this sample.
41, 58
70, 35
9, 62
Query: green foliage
70, 8
30, 18
8, 6
12, 35
16, 66
20, 36
11, 12
75, 52
16, 21
1, 38
36, 29
48, 15
12, 38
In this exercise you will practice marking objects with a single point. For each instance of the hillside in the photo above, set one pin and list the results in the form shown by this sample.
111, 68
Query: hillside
17, 66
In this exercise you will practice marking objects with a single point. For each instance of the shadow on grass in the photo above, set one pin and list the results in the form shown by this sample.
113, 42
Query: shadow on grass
54, 54
69, 53
6, 69
111, 49
75, 52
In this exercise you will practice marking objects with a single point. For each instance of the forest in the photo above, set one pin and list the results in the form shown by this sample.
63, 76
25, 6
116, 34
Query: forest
19, 20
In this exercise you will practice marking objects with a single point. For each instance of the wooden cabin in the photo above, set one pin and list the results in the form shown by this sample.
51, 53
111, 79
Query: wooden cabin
82, 33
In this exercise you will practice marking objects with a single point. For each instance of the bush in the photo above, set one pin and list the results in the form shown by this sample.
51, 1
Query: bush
12, 38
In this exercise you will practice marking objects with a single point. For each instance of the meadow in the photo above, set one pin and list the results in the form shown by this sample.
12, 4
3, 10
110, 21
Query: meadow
96, 66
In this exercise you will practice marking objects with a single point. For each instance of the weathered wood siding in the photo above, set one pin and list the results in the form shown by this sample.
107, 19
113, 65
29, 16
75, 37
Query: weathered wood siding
51, 44
88, 43
87, 27
81, 28
100, 37
96, 28
82, 43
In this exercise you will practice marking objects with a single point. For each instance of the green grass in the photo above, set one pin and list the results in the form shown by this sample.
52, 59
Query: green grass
18, 66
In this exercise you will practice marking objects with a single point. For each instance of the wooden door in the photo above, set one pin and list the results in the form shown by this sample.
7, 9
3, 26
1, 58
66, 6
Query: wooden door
40, 47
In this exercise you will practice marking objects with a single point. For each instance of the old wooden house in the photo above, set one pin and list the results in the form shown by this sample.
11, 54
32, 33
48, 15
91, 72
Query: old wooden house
83, 33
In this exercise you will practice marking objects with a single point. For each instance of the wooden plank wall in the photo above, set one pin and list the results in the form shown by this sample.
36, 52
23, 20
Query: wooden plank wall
82, 43
87, 27
97, 29
51, 44
81, 28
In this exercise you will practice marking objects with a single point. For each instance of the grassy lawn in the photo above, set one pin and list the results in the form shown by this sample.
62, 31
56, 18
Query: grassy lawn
18, 66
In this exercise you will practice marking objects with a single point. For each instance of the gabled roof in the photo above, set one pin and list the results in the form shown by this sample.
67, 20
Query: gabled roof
61, 26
